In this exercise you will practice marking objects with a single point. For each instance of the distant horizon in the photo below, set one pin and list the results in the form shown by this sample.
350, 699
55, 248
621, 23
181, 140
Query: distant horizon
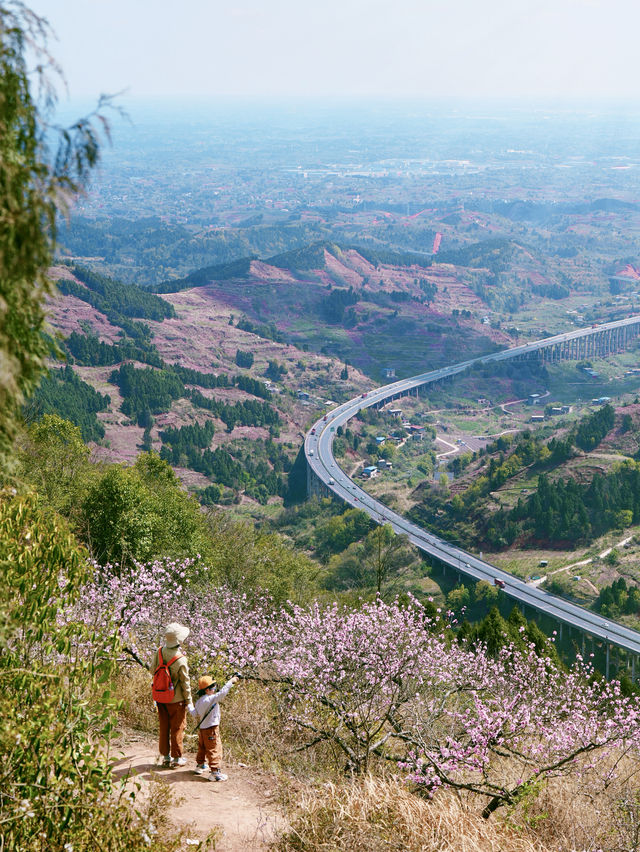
70, 108
523, 49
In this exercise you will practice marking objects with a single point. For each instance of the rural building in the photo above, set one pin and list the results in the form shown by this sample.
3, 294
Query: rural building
389, 372
370, 471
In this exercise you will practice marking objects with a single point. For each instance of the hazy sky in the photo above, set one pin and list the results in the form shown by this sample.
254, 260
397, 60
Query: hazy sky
408, 48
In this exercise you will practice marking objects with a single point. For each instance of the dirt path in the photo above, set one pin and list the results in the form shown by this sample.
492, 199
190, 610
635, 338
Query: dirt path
581, 562
242, 807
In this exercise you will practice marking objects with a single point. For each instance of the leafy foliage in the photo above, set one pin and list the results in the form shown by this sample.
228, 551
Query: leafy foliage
247, 413
268, 331
495, 633
618, 599
188, 436
146, 390
252, 472
337, 533
64, 393
565, 510
114, 298
592, 429
335, 305
55, 461
32, 186
203, 380
379, 564
57, 717
140, 512
244, 359
252, 386
202, 277
89, 350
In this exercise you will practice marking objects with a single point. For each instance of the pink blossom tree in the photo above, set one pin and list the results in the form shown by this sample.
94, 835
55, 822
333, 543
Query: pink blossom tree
384, 680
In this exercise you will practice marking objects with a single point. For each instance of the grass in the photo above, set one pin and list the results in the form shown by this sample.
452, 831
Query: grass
375, 814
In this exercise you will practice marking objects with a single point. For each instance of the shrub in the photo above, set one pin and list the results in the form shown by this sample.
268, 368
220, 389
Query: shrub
56, 789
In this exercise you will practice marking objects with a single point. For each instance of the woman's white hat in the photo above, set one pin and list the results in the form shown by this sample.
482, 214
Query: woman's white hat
175, 634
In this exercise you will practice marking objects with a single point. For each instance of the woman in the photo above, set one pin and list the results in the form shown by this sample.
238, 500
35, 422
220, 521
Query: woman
172, 713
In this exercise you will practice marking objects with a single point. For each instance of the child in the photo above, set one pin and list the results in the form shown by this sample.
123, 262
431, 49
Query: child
209, 744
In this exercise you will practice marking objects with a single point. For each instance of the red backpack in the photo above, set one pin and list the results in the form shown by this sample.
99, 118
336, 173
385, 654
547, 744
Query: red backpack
162, 688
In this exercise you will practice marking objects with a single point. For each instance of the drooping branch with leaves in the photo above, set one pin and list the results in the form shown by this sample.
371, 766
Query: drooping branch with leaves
42, 167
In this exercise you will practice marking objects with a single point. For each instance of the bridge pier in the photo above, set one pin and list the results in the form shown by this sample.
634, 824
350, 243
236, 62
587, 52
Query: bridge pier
575, 345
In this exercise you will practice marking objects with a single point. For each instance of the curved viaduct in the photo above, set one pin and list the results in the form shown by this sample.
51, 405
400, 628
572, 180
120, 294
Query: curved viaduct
324, 476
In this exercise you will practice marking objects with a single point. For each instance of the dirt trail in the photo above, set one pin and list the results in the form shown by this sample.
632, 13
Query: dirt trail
242, 807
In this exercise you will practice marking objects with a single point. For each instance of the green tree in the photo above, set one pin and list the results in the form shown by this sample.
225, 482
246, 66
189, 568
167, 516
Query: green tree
458, 598
379, 563
118, 516
246, 561
55, 461
35, 177
142, 512
179, 528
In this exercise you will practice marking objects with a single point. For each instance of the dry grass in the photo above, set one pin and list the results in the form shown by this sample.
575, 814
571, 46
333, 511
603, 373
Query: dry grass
581, 813
375, 814
253, 732
133, 689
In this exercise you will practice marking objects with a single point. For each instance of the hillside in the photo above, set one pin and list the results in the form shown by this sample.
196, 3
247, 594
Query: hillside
289, 324
201, 338
372, 309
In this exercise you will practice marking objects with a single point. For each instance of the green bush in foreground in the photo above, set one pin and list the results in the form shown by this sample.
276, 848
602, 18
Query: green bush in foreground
56, 714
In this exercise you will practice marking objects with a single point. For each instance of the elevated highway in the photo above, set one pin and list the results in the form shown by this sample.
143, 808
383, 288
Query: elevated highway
325, 476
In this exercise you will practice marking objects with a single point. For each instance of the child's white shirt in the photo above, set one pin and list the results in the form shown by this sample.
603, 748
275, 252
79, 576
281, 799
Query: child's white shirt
204, 703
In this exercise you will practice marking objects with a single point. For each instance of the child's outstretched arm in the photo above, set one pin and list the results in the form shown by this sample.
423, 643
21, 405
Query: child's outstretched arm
222, 693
